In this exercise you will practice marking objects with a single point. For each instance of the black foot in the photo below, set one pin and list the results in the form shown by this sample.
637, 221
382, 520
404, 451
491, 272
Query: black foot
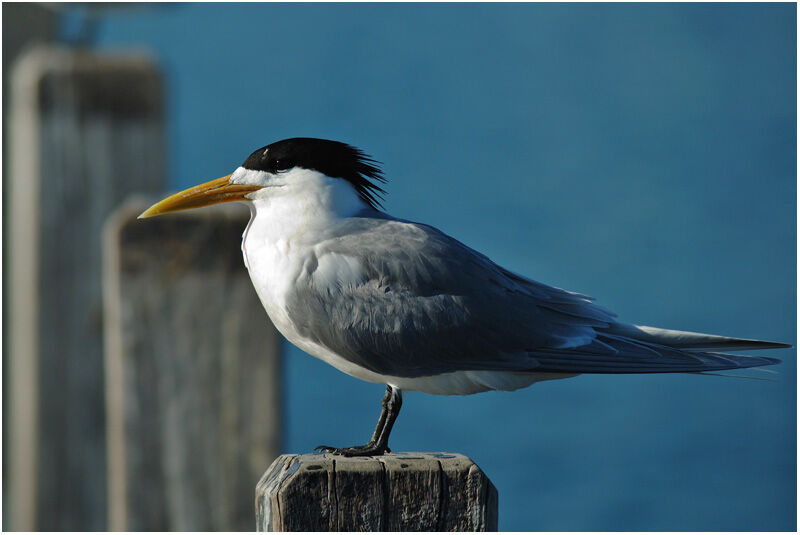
366, 450
379, 443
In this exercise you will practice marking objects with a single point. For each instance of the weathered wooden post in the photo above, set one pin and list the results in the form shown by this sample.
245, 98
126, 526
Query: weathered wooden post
193, 372
85, 130
392, 492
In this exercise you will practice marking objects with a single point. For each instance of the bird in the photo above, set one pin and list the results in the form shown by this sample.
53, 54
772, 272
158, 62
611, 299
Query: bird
401, 303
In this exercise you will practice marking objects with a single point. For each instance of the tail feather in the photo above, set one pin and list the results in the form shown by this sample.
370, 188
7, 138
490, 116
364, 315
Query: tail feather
736, 376
618, 354
687, 340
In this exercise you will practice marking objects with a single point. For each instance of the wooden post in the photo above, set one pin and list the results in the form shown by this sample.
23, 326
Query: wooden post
193, 372
392, 492
85, 130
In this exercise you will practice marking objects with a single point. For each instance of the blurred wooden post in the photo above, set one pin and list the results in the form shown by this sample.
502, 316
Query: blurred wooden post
85, 130
193, 372
392, 492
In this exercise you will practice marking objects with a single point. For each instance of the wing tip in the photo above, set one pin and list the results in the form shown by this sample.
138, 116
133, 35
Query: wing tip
689, 340
777, 345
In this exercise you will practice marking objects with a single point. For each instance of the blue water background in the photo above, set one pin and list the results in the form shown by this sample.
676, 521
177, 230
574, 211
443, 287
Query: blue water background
642, 154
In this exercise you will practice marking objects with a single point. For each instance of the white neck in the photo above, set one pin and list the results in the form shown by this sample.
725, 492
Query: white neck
289, 217
298, 204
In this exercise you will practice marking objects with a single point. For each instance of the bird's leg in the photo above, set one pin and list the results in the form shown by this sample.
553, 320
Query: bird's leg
379, 443
390, 409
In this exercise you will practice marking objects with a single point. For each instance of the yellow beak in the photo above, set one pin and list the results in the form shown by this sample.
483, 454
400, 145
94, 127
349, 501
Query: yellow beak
206, 194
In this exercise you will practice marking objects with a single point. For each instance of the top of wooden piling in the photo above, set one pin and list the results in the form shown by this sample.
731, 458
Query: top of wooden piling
410, 491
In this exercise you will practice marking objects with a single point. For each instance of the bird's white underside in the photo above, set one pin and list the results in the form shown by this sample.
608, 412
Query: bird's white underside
288, 217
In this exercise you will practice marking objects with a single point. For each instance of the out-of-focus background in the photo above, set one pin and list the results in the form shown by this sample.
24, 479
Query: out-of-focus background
641, 154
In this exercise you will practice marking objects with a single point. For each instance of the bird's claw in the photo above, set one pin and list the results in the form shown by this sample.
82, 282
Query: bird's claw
366, 450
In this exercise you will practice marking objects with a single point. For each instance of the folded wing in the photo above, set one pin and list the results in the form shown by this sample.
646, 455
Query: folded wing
423, 304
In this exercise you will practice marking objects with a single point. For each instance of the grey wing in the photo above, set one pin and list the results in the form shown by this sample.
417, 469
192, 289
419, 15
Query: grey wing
427, 304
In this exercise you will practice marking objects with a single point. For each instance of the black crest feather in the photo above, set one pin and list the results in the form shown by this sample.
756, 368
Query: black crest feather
333, 158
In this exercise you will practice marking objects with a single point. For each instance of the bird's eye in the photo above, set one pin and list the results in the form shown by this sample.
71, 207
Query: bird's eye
283, 164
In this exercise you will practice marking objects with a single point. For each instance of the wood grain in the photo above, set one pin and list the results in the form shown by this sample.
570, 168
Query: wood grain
392, 492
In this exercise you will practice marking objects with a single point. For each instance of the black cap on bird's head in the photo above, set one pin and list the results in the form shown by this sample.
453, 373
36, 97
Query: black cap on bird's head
332, 158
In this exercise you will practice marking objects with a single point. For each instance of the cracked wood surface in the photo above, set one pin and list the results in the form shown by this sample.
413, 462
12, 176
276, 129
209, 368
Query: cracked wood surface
392, 492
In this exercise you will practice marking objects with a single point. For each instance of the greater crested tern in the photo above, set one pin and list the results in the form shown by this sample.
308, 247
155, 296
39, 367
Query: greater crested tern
401, 303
